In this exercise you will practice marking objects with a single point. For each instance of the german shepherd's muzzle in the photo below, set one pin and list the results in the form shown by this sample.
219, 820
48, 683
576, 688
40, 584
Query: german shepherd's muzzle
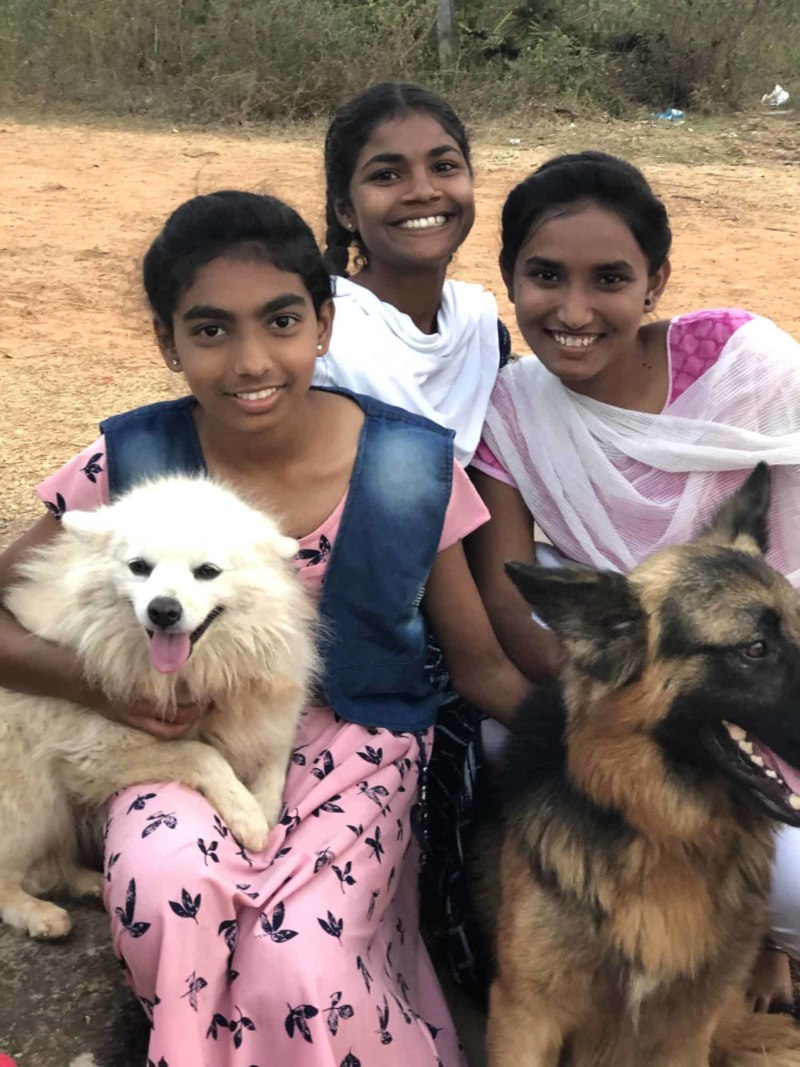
624, 884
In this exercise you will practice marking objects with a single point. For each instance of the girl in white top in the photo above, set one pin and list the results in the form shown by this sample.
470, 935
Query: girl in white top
400, 192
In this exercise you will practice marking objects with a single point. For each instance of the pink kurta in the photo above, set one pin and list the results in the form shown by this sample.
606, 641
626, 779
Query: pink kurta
308, 954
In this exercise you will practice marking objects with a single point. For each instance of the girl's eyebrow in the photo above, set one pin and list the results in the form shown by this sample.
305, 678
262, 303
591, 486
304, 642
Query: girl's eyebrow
208, 311
553, 264
398, 157
540, 261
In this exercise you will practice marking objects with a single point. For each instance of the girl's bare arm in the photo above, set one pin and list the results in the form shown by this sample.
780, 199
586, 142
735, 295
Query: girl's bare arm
509, 536
479, 669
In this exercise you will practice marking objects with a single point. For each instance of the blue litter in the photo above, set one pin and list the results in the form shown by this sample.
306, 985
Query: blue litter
670, 114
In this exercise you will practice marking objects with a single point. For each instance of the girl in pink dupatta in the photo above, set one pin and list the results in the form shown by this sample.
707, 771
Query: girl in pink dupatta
623, 437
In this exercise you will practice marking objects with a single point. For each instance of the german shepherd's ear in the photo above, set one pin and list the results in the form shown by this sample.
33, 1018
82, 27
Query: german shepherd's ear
596, 614
741, 522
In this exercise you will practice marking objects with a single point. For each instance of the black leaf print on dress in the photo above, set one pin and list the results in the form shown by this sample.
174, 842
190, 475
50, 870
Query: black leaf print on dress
196, 984
220, 826
242, 851
400, 830
161, 1063
139, 803
296, 1019
57, 509
344, 875
337, 1011
372, 902
363, 971
93, 468
329, 806
161, 818
111, 861
357, 830
125, 915
229, 930
313, 557
235, 1026
325, 857
383, 1022
407, 1018
333, 926
327, 765
402, 985
283, 852
189, 906
272, 927
375, 846
401, 931
389, 963
350, 1061
244, 889
291, 822
392, 873
376, 793
209, 851
372, 755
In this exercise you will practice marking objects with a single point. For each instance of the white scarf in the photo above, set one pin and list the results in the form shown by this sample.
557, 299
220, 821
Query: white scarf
446, 376
610, 486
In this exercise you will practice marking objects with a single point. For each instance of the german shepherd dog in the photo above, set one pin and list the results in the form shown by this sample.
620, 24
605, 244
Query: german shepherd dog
624, 885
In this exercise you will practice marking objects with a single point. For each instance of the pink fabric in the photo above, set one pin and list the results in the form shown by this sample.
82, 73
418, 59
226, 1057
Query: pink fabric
308, 955
694, 343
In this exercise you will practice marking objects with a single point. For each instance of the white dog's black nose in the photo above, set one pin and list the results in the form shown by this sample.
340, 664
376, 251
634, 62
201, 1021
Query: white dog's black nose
164, 611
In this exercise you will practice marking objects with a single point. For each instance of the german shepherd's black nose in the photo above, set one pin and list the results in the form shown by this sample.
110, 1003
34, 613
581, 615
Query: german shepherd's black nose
164, 611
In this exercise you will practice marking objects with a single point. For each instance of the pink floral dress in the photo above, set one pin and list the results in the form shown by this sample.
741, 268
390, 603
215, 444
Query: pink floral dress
308, 954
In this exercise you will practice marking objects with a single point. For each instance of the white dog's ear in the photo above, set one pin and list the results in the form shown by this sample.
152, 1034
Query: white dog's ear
94, 527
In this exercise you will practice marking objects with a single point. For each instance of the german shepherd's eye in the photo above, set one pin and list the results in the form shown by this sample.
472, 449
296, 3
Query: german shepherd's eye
755, 650
140, 567
206, 572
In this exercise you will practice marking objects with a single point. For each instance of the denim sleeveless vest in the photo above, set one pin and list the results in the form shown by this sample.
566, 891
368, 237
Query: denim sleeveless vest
374, 636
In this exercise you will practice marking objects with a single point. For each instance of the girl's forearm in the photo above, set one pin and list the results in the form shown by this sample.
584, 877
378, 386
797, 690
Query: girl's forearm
29, 664
497, 688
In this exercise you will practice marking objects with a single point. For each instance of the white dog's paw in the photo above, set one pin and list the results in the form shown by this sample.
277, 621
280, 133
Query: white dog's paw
251, 829
47, 921
85, 883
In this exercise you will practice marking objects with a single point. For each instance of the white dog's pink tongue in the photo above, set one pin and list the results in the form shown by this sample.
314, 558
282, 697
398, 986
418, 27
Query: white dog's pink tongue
169, 652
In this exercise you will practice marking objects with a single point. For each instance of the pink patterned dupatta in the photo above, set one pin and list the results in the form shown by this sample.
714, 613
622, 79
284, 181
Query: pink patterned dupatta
609, 486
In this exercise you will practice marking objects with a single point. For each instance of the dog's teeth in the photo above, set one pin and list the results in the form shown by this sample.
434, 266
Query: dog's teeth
757, 760
736, 732
770, 773
746, 746
794, 802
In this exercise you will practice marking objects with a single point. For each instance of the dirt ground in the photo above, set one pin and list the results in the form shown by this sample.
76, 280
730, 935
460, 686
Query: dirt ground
81, 203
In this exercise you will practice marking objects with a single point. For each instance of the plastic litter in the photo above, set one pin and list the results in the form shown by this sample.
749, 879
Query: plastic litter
777, 98
670, 114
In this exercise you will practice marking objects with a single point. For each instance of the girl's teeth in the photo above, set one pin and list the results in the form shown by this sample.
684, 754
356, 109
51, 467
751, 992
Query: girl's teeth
571, 341
423, 224
261, 394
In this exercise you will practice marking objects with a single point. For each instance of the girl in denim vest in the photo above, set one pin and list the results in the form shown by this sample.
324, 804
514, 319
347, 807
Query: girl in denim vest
308, 953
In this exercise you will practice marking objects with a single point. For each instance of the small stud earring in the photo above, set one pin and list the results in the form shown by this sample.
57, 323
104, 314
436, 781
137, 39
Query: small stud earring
319, 348
174, 362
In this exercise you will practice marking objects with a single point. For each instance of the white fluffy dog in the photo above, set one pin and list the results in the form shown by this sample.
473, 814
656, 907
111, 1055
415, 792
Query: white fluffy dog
179, 592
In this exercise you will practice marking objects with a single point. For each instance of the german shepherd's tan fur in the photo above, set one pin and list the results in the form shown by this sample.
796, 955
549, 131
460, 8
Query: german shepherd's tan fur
624, 887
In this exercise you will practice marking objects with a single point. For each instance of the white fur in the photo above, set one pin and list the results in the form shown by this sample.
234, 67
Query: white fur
59, 761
